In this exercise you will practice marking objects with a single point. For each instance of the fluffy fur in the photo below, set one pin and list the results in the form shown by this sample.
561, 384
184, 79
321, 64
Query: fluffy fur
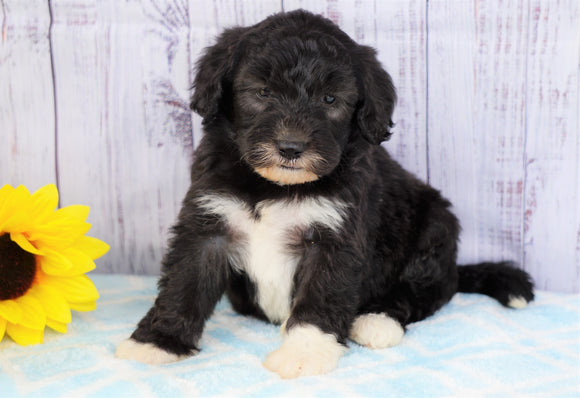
298, 214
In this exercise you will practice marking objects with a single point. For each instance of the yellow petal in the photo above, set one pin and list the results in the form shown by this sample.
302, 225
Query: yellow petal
54, 263
84, 307
14, 210
23, 335
13, 197
78, 212
75, 289
2, 327
92, 247
33, 316
58, 233
23, 242
5, 192
48, 194
43, 202
81, 263
16, 221
11, 311
58, 326
55, 306
67, 262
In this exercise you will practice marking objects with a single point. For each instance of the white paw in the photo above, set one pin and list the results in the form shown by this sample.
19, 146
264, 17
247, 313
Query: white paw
306, 351
376, 331
146, 353
517, 302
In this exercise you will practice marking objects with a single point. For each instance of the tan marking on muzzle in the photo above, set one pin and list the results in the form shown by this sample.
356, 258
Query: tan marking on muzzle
283, 176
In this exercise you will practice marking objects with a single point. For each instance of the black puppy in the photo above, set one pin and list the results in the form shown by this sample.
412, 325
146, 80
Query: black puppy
298, 214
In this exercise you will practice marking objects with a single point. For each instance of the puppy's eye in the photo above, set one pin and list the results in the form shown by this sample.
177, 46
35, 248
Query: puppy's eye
263, 92
328, 99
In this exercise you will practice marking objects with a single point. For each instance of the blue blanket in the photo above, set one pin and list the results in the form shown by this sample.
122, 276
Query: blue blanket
472, 347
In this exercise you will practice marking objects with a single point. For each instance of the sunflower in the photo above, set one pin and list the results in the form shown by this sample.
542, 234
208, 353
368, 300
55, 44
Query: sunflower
44, 255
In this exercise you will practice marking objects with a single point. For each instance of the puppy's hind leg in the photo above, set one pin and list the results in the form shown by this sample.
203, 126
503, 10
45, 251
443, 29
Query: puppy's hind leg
425, 285
381, 323
376, 331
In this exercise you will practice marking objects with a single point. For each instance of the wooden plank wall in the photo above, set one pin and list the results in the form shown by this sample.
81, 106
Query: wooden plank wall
94, 97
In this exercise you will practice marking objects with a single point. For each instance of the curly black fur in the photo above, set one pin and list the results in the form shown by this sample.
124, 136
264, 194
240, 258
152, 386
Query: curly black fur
296, 84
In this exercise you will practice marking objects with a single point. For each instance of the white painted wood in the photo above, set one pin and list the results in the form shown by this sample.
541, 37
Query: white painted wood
488, 112
552, 185
476, 125
124, 136
356, 18
26, 96
401, 42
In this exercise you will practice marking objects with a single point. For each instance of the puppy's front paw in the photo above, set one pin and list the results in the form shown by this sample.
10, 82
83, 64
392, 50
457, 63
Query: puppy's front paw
306, 351
146, 353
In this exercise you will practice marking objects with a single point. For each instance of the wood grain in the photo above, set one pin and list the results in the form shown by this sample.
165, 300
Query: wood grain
552, 185
94, 96
27, 145
476, 125
124, 128
402, 48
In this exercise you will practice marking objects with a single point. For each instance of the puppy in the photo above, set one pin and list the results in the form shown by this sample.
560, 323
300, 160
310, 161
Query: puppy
297, 213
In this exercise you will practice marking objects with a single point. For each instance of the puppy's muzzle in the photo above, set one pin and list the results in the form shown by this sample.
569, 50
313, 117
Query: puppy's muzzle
285, 162
291, 150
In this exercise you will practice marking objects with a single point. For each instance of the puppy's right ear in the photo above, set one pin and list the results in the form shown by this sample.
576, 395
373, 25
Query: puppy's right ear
215, 72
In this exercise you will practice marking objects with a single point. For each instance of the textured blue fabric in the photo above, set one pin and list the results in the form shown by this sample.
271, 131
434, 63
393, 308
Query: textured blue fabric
472, 347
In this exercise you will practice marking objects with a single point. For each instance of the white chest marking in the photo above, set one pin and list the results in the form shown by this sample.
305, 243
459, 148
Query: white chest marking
262, 249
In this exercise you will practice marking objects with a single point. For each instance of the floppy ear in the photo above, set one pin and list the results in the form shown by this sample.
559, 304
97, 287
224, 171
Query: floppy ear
377, 97
214, 73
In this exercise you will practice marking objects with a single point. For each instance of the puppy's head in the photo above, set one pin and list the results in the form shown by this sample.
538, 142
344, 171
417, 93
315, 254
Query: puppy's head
296, 90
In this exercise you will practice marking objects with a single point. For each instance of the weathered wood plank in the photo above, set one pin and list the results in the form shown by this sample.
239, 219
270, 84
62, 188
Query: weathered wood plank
488, 112
357, 18
27, 144
552, 185
476, 123
402, 49
124, 136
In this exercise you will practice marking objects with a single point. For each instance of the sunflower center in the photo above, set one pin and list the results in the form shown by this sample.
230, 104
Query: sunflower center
17, 269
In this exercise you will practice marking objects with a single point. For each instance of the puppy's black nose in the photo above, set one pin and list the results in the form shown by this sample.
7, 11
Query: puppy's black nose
291, 149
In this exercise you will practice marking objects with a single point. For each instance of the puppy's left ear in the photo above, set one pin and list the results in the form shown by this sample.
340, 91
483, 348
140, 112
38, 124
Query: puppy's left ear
214, 73
377, 97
